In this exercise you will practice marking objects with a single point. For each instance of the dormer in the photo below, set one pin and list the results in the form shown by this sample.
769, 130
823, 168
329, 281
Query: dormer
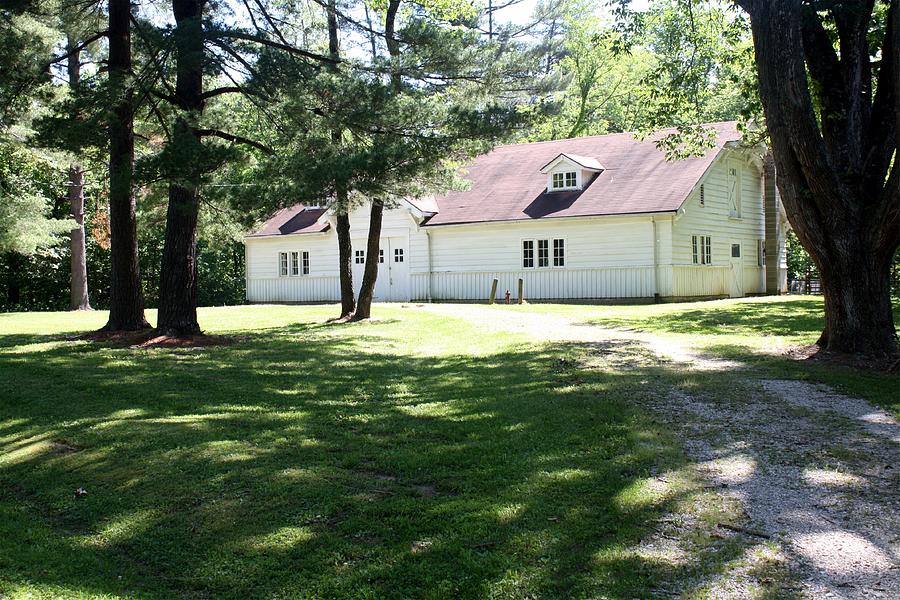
569, 172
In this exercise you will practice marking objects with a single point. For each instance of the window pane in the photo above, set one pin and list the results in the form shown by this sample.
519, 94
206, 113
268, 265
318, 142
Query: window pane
398, 255
557, 180
283, 264
735, 251
708, 250
360, 257
306, 263
694, 249
543, 253
528, 254
381, 255
571, 179
295, 263
559, 253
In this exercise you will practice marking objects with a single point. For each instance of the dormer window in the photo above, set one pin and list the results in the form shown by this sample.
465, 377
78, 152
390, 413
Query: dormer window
565, 180
570, 172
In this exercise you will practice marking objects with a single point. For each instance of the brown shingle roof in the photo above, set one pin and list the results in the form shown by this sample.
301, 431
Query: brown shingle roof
294, 219
507, 183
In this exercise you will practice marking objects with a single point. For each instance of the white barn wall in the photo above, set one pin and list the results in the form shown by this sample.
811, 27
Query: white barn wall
606, 257
713, 220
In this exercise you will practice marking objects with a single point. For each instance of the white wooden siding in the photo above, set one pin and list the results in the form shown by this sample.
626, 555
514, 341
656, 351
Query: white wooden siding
713, 220
606, 257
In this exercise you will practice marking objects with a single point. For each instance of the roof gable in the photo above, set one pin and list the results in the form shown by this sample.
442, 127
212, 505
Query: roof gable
584, 162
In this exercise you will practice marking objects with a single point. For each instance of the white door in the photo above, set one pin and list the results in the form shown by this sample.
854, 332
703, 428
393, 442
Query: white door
393, 269
737, 272
398, 270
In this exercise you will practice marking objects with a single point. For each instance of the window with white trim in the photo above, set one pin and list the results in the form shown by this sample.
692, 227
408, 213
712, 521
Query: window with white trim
559, 252
398, 255
543, 253
282, 264
701, 249
734, 192
564, 180
359, 257
541, 258
735, 251
761, 253
528, 254
381, 255
295, 263
305, 263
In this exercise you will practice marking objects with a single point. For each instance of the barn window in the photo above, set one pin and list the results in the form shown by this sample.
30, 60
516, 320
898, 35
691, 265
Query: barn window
702, 195
543, 253
734, 192
283, 264
735, 251
559, 252
565, 180
761, 253
360, 257
381, 255
398, 255
528, 254
701, 249
295, 263
305, 263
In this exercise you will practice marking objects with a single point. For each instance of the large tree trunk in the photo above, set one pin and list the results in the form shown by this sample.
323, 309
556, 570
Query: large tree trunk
370, 275
178, 275
345, 265
78, 285
126, 300
345, 245
367, 290
840, 193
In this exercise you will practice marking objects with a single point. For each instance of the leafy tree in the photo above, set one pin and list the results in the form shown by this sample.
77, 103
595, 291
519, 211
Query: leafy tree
828, 80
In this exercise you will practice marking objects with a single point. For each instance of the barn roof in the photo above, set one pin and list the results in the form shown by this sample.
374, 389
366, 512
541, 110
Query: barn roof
507, 184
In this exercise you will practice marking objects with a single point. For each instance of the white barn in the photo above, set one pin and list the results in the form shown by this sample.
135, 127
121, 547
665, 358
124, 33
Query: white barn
593, 218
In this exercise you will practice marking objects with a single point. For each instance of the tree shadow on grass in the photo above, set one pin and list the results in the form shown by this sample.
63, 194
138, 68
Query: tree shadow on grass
297, 465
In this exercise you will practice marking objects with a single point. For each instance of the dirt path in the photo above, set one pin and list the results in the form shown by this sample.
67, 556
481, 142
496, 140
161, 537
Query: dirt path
816, 473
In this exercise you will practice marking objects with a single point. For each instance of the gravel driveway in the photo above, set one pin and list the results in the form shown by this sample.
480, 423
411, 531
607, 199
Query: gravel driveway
815, 473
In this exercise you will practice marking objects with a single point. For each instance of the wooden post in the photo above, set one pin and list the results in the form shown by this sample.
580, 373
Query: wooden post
521, 290
493, 292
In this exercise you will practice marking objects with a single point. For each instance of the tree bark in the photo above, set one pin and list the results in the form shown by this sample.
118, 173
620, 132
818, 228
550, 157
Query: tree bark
840, 193
78, 285
342, 228
178, 273
370, 274
126, 300
367, 290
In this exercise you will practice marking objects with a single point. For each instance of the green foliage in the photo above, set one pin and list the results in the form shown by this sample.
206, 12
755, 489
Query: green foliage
29, 186
26, 42
702, 71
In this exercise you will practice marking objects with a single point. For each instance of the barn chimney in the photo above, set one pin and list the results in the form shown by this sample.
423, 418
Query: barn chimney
774, 234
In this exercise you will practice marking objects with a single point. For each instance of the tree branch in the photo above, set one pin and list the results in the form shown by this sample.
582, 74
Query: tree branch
233, 138
77, 48
272, 44
229, 89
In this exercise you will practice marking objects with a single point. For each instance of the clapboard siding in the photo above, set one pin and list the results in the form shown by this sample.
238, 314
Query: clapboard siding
713, 219
606, 257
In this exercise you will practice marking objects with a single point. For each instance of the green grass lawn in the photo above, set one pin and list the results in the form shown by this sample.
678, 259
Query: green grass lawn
755, 331
412, 456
